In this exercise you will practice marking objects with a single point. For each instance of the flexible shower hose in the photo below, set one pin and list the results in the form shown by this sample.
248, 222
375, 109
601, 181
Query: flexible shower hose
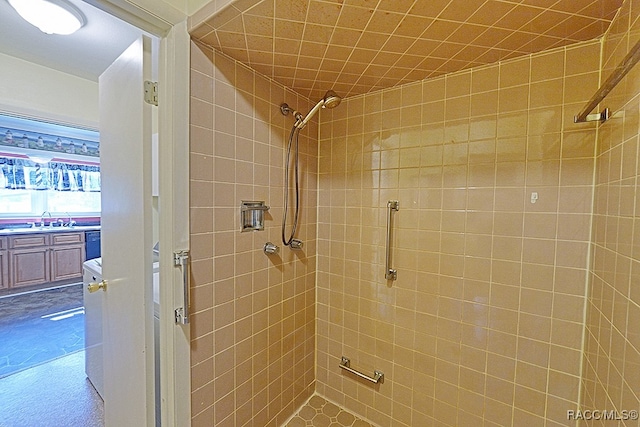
293, 135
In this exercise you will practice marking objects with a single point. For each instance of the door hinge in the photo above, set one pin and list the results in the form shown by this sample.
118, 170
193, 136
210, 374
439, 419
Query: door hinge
151, 92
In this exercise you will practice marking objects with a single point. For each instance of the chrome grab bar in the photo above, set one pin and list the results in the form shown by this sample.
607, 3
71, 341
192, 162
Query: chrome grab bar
390, 273
378, 377
627, 63
181, 259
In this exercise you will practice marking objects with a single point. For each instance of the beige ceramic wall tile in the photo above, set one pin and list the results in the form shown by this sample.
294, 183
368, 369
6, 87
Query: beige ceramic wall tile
490, 256
252, 312
609, 359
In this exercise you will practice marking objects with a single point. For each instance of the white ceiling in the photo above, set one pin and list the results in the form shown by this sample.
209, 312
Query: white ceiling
86, 54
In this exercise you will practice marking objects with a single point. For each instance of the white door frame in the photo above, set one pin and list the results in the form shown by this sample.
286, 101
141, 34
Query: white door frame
162, 20
175, 346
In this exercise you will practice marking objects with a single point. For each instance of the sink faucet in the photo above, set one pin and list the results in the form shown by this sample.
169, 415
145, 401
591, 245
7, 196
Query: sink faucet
71, 222
42, 218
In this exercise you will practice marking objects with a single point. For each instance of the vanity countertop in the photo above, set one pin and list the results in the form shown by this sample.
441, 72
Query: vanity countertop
37, 230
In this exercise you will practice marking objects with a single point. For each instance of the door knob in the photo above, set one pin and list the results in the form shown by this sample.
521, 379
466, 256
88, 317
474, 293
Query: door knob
94, 287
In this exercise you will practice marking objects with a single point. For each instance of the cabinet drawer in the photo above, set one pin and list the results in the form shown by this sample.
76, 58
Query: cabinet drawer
67, 238
28, 241
3, 243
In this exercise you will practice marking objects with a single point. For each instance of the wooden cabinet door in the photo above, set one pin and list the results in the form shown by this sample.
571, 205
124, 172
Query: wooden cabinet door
29, 266
67, 256
4, 264
66, 262
4, 270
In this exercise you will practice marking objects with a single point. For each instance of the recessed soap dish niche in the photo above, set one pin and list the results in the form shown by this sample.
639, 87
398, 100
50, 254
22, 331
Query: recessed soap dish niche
252, 215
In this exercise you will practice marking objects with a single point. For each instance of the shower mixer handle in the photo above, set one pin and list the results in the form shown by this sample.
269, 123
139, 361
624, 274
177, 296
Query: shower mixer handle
270, 249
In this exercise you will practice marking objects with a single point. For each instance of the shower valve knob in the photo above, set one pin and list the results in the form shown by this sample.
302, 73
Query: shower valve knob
270, 249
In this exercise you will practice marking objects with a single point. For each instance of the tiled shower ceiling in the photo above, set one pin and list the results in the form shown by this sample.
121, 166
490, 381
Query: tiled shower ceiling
356, 46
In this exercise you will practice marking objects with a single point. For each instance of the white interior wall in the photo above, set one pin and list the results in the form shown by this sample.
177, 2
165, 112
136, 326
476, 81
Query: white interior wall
31, 90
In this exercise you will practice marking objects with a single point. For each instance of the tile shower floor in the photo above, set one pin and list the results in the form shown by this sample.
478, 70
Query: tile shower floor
318, 412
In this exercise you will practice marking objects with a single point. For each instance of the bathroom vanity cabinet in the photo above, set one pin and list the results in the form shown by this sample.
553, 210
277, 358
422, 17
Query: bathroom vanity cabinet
35, 259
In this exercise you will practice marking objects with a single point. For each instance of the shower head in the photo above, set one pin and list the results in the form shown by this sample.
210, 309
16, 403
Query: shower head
330, 100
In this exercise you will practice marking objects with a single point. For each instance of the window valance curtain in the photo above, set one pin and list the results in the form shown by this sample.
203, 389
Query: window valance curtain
24, 174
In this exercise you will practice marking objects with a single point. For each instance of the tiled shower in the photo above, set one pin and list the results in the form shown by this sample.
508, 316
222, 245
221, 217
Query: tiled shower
516, 245
485, 319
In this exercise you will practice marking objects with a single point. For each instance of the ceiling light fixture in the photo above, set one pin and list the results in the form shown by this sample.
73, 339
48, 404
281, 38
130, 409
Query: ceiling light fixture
50, 16
41, 158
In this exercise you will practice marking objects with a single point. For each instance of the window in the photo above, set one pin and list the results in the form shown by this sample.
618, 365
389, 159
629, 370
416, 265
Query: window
27, 188
31, 203
72, 201
16, 202
48, 167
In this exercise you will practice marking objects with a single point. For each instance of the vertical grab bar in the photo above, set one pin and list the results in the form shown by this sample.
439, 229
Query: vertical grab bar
181, 259
390, 273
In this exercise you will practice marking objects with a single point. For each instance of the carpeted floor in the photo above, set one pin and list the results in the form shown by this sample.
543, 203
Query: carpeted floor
40, 326
42, 378
53, 394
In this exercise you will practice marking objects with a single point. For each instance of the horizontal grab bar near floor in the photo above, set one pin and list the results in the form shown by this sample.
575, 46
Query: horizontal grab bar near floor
378, 377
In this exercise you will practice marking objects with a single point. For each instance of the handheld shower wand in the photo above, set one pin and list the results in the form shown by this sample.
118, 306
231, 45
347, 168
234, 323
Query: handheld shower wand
330, 100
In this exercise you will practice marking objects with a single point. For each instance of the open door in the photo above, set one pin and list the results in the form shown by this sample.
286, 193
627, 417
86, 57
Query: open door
125, 157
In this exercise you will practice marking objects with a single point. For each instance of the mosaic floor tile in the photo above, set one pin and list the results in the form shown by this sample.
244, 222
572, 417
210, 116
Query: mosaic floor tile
318, 412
